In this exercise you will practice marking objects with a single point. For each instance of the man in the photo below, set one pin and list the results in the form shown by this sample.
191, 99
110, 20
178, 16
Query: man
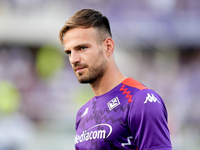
124, 114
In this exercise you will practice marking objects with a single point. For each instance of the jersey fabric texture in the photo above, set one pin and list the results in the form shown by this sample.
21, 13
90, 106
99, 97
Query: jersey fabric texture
129, 117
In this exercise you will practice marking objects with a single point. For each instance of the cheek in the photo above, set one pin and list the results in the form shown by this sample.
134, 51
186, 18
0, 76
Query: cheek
94, 58
91, 59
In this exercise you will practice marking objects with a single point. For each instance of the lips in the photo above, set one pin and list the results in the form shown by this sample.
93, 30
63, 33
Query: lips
78, 69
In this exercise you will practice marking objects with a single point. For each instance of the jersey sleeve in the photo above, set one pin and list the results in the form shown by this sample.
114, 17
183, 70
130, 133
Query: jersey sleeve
147, 120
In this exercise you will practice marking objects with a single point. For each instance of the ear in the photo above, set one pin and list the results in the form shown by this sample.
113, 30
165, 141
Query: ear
109, 45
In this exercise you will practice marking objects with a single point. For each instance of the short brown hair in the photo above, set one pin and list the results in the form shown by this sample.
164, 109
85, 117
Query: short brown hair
87, 18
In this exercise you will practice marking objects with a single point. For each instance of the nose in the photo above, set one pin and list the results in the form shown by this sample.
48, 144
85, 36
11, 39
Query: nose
74, 58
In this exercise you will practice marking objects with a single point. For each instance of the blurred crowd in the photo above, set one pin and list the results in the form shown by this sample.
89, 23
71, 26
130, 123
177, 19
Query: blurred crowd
157, 43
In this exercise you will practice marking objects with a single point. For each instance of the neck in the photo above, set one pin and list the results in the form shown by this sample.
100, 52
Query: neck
111, 79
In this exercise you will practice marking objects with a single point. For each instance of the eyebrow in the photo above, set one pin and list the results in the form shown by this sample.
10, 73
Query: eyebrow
78, 46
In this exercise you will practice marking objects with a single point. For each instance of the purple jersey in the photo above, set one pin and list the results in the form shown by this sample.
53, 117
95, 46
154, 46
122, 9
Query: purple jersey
129, 117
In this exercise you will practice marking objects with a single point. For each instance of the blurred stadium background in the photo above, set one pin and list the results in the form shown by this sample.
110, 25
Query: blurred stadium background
157, 43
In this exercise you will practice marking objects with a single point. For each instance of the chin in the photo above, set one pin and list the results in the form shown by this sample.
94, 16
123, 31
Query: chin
86, 80
83, 81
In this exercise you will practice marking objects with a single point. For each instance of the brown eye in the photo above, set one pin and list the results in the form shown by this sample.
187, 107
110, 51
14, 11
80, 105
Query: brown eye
68, 52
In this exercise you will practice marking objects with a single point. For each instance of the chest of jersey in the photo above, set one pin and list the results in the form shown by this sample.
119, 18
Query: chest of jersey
102, 124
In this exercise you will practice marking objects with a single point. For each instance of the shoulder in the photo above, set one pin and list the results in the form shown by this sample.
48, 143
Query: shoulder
148, 98
130, 87
147, 119
83, 110
148, 103
143, 100
140, 92
133, 83
84, 107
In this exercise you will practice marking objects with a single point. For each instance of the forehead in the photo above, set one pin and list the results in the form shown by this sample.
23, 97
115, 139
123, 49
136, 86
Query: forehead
76, 36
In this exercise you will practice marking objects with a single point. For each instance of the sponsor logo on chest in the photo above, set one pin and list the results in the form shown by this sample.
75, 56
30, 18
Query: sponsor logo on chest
94, 133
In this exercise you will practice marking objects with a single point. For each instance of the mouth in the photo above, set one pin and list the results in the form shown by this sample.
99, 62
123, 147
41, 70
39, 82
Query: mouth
79, 69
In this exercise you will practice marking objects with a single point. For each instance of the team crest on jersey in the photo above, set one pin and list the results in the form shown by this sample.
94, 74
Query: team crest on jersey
113, 103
